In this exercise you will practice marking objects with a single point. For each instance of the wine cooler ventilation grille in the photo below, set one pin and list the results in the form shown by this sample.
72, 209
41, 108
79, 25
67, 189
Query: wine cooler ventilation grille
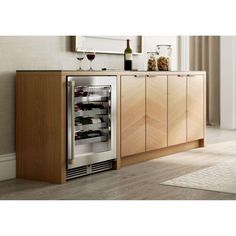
89, 169
100, 166
76, 172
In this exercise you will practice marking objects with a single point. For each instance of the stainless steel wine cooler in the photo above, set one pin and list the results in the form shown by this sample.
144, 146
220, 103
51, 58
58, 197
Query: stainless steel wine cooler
91, 124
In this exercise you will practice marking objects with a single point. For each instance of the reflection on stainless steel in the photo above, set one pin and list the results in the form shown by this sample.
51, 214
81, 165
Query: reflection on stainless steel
72, 116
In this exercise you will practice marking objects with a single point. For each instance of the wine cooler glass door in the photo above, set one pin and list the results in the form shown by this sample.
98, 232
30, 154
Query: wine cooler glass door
91, 120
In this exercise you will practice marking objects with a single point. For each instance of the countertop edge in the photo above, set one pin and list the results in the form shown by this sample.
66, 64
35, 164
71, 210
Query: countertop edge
111, 72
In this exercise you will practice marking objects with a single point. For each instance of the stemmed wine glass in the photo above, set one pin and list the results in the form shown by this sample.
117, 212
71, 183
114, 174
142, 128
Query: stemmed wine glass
90, 55
80, 56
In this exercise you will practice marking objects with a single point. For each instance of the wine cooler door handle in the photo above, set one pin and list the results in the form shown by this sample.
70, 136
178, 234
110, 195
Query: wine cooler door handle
72, 117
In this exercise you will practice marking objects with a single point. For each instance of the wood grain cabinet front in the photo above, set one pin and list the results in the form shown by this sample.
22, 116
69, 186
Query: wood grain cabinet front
156, 112
41, 126
177, 120
132, 115
195, 107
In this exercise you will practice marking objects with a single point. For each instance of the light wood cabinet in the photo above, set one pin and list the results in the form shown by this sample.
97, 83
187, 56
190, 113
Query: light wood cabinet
132, 115
156, 112
177, 120
195, 107
41, 126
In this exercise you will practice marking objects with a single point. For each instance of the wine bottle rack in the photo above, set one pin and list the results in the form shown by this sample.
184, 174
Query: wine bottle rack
86, 102
91, 113
91, 126
91, 99
102, 138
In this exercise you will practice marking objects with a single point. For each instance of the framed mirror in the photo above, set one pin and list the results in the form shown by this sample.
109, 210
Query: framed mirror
106, 44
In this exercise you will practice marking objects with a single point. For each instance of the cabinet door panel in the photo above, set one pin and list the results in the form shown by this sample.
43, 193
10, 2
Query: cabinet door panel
177, 120
156, 112
132, 115
195, 107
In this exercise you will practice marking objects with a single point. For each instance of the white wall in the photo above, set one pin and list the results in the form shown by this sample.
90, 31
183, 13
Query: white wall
228, 82
150, 43
139, 61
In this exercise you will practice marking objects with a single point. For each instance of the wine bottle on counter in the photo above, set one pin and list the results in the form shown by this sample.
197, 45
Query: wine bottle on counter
128, 57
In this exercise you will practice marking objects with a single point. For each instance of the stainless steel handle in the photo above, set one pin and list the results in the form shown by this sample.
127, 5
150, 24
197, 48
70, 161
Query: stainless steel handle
72, 148
189, 75
151, 76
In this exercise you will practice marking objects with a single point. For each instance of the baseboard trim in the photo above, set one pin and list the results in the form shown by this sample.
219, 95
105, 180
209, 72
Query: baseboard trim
7, 166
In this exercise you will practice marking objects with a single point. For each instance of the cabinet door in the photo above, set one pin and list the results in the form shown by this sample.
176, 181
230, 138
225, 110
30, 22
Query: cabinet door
132, 115
156, 112
195, 107
177, 120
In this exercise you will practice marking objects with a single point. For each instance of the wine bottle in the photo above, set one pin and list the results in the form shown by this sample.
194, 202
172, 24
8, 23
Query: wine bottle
86, 107
96, 120
128, 57
93, 134
87, 120
82, 121
88, 134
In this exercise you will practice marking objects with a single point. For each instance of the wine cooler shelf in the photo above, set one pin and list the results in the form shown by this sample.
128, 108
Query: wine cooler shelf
91, 113
102, 138
91, 99
91, 126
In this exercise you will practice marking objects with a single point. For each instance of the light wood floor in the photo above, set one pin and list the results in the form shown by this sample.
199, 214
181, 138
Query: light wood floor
140, 181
